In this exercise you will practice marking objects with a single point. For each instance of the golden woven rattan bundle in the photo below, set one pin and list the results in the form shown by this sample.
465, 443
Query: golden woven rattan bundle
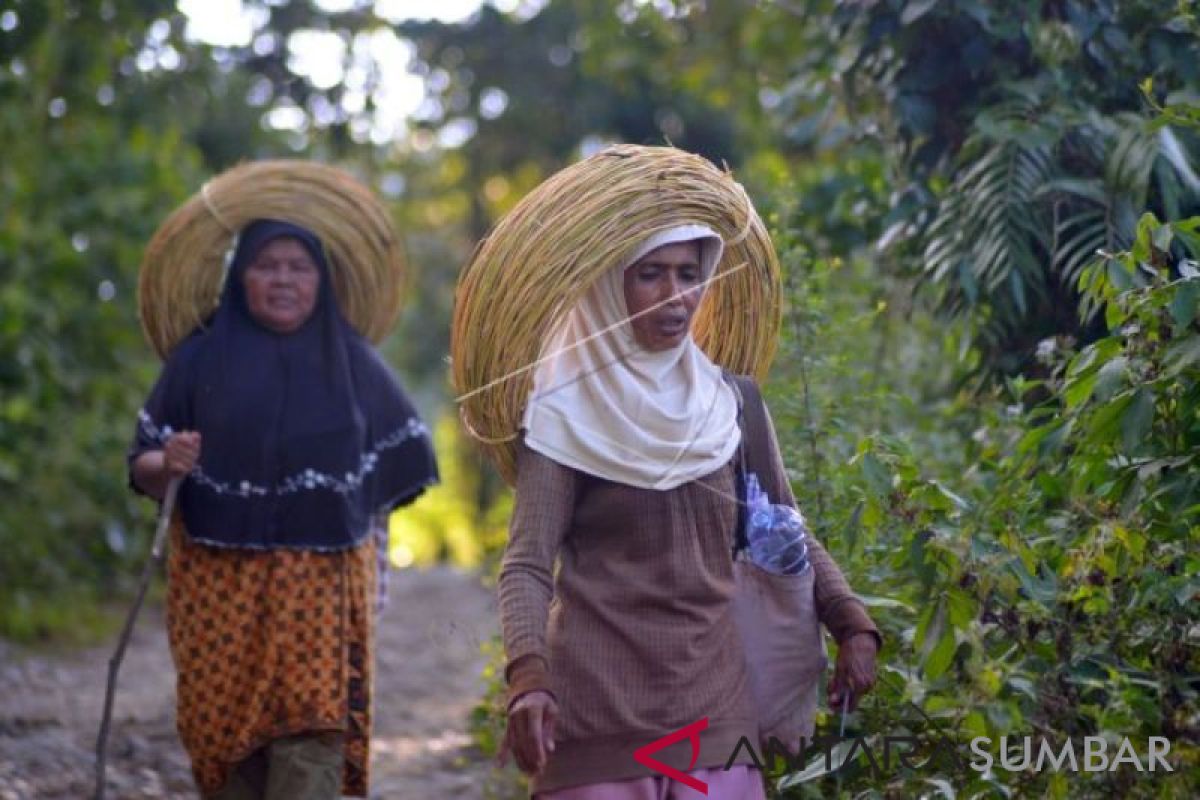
184, 265
559, 239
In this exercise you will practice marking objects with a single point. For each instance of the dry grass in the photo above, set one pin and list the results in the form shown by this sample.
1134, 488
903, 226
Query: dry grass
184, 265
581, 221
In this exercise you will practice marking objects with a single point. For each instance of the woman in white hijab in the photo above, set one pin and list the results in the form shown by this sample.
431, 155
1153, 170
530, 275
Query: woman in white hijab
654, 415
626, 482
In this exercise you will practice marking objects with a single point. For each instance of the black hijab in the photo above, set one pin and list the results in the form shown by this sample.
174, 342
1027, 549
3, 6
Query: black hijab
304, 435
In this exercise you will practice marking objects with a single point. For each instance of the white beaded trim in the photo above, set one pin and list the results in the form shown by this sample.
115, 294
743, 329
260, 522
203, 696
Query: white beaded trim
305, 480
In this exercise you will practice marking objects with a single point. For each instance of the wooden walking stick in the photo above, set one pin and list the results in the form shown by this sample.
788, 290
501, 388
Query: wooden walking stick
114, 663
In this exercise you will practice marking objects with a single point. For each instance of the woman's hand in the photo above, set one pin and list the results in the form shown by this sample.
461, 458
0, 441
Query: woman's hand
529, 737
855, 670
180, 454
154, 469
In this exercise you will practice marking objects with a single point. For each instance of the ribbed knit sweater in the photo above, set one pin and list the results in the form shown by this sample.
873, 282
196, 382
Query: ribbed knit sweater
634, 635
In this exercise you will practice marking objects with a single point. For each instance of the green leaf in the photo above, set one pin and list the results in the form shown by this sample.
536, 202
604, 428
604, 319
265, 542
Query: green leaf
930, 627
1161, 238
1147, 227
1188, 232
1042, 591
916, 558
1088, 189
879, 480
1023, 685
1110, 378
1183, 304
1103, 426
1136, 422
1000, 715
873, 601
1081, 363
1034, 437
1079, 390
1187, 592
1055, 439
1017, 285
1182, 354
1114, 315
853, 527
974, 723
1119, 275
961, 608
941, 656
958, 501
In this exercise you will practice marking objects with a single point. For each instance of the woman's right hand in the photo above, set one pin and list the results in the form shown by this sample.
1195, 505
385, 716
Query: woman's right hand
529, 737
180, 453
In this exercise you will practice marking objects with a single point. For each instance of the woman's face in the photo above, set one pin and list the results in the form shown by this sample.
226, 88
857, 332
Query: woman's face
670, 275
281, 285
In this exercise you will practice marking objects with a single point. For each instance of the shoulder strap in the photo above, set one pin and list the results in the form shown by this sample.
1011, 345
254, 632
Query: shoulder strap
755, 440
752, 452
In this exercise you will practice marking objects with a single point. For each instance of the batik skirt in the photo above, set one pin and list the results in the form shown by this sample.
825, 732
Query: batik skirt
269, 644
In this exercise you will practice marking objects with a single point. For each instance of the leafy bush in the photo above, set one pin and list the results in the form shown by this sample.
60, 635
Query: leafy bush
1048, 585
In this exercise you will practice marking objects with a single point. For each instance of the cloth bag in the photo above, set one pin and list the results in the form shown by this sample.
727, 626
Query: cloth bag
776, 615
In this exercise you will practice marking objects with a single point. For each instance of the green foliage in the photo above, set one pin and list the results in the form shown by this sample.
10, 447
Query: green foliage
84, 182
1045, 582
1040, 185
1019, 138
488, 722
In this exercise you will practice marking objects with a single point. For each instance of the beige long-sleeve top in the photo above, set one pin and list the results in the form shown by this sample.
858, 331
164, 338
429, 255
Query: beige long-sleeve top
634, 635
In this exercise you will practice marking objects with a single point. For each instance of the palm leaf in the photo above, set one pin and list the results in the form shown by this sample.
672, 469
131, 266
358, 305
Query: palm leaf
986, 224
1027, 213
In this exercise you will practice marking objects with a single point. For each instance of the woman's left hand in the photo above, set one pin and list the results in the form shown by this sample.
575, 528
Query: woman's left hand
529, 737
855, 670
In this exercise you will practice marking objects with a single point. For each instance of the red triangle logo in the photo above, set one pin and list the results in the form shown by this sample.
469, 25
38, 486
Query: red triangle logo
690, 732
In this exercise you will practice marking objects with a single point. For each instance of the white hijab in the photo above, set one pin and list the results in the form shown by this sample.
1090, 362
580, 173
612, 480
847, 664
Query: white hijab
604, 405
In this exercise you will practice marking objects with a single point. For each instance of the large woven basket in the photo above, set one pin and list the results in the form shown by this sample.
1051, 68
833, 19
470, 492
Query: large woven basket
580, 222
184, 264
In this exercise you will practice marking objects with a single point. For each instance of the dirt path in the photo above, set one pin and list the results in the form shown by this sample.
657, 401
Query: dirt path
428, 667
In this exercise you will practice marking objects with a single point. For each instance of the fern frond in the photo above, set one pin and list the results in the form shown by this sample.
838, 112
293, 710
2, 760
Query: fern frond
988, 222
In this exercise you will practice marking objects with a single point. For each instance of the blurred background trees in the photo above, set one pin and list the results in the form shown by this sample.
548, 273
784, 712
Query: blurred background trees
987, 214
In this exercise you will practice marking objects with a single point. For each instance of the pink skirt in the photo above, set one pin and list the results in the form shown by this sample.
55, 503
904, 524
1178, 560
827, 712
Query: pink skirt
738, 783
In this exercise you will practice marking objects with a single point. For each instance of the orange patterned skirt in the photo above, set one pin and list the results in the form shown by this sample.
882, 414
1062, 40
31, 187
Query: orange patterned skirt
268, 644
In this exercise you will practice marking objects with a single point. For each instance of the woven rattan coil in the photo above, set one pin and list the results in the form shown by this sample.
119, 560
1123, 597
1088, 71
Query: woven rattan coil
184, 265
542, 256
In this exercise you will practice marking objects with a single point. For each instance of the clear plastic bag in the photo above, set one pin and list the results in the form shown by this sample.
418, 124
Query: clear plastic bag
776, 534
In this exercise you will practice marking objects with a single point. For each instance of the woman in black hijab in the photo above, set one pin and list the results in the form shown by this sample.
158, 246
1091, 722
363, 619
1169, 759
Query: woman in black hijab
294, 441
